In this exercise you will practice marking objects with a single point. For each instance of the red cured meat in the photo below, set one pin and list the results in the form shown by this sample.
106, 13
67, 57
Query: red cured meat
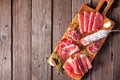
91, 20
86, 21
75, 66
81, 23
93, 48
84, 42
74, 35
80, 65
98, 22
69, 69
83, 61
89, 65
66, 47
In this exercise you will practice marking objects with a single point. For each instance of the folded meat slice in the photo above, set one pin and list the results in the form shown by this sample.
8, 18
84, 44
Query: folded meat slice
79, 64
74, 35
81, 22
89, 65
74, 64
86, 21
83, 61
93, 48
98, 22
66, 47
69, 69
91, 20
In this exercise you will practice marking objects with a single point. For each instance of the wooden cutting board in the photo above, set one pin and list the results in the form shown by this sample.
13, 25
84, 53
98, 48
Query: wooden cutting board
74, 22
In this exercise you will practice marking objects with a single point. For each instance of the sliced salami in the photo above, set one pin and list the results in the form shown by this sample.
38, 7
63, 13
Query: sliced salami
98, 22
91, 20
86, 21
81, 23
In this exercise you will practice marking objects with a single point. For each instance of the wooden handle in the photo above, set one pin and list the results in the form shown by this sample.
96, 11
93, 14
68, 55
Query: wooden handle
109, 3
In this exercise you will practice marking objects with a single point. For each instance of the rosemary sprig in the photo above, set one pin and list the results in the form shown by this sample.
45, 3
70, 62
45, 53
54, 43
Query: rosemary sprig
55, 56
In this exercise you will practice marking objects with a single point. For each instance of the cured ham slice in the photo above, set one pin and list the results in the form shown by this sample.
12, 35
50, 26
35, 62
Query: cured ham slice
74, 35
77, 66
86, 21
66, 47
81, 23
89, 65
80, 66
69, 69
98, 22
83, 61
91, 20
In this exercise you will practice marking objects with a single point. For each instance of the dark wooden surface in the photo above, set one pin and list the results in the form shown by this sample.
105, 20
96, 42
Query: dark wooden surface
30, 29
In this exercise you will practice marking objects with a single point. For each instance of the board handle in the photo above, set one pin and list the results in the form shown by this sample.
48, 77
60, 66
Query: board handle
100, 4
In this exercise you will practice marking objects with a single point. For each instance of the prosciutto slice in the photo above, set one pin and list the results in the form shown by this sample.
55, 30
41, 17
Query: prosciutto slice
66, 47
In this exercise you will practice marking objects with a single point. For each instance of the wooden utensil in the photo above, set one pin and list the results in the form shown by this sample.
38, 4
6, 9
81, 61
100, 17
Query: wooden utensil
83, 8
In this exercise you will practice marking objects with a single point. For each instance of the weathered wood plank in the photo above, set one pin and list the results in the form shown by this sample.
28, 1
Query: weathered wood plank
5, 39
41, 39
62, 14
116, 41
103, 63
76, 4
21, 40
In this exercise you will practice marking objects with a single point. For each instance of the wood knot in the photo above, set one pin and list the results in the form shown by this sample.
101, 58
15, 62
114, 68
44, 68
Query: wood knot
5, 58
6, 26
3, 37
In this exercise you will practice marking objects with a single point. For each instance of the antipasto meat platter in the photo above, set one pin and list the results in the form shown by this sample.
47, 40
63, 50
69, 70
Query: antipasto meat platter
82, 41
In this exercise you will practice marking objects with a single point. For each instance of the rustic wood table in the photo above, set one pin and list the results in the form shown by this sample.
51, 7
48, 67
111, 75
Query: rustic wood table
30, 29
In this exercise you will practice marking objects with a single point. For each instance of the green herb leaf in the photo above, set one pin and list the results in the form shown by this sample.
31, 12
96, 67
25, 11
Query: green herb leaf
55, 56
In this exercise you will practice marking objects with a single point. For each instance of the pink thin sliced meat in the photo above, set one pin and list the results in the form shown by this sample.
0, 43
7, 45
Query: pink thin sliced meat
69, 69
83, 61
66, 47
86, 21
93, 48
89, 65
75, 66
74, 35
80, 65
91, 20
81, 23
98, 22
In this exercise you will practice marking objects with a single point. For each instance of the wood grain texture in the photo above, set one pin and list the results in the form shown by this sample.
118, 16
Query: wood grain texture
116, 40
76, 4
41, 39
5, 39
21, 40
62, 14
